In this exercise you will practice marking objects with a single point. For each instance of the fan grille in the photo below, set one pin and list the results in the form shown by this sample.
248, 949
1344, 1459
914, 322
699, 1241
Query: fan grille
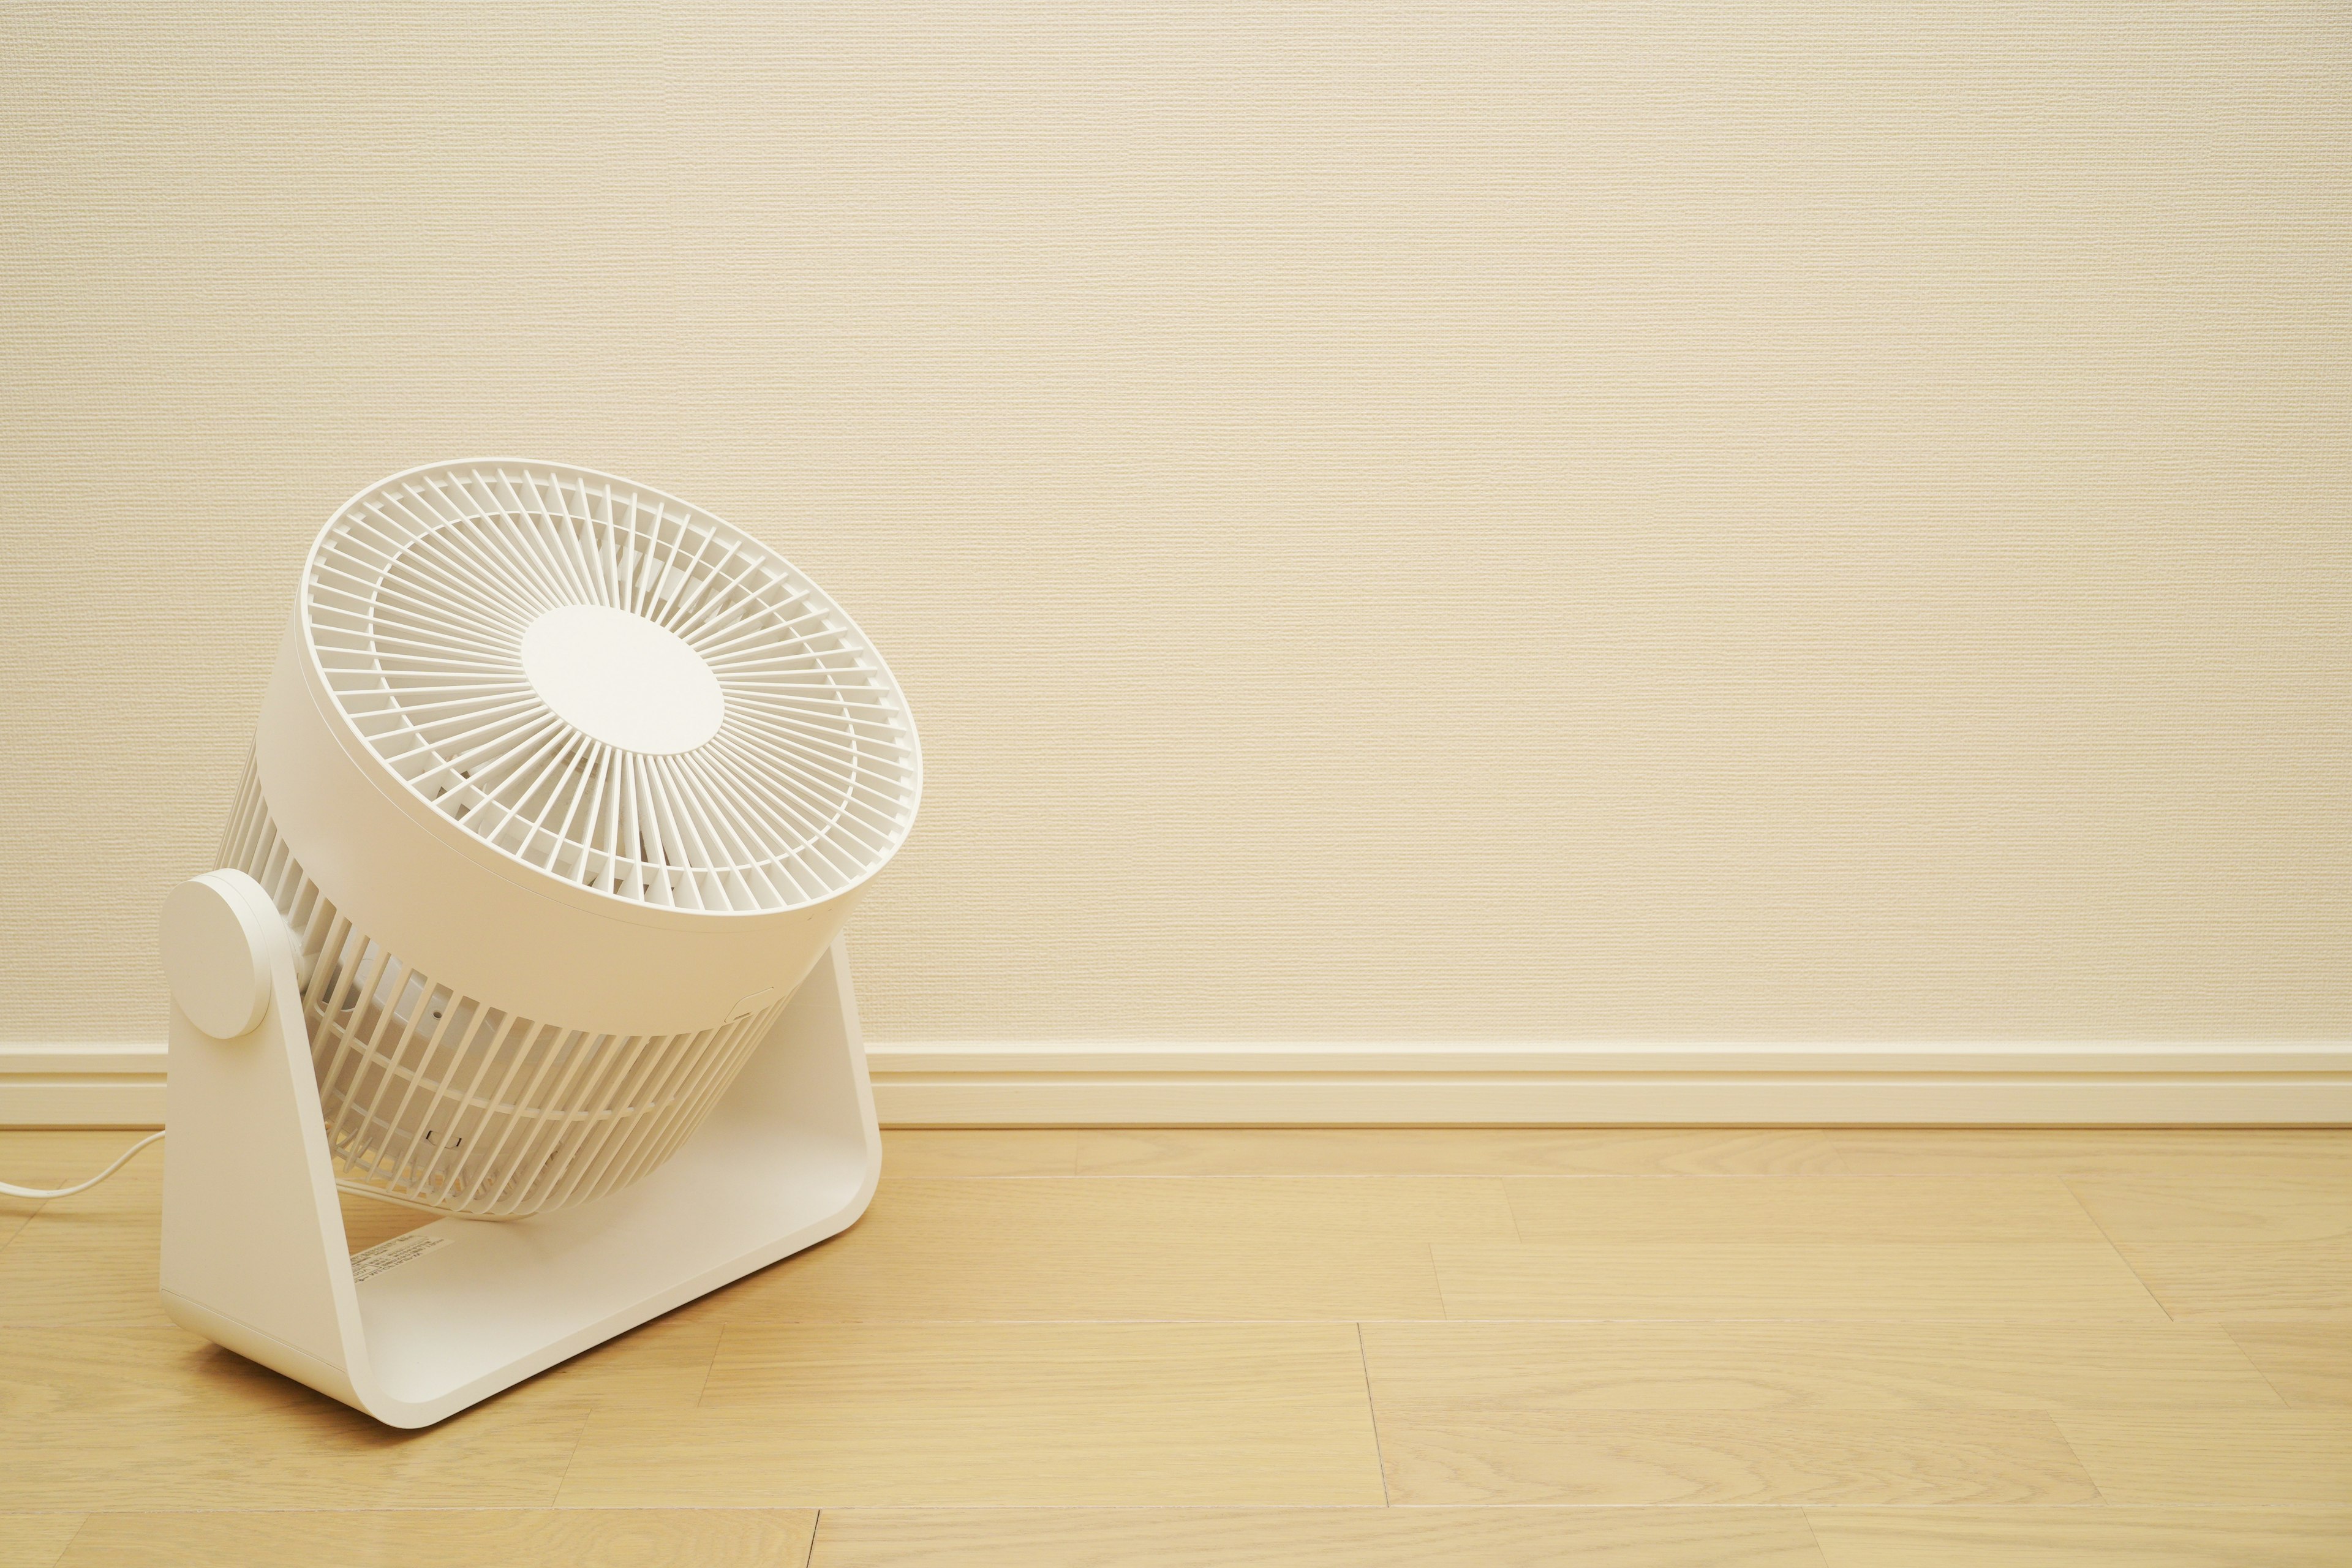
418, 598
438, 1100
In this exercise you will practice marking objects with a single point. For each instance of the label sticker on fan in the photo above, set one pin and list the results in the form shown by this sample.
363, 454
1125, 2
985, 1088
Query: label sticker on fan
389, 1255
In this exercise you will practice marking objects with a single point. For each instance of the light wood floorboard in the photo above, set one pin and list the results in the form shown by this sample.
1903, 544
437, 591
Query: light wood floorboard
1453, 1152
2082, 1537
2040, 1349
2309, 1151
2308, 1281
1245, 1248
282, 1451
1751, 1457
2022, 1281
2309, 1363
1749, 1209
1550, 1372
60, 1156
157, 1418
627, 1538
2206, 1209
1041, 1413
913, 1153
367, 1221
1316, 1538
36, 1539
87, 1260
2216, 1456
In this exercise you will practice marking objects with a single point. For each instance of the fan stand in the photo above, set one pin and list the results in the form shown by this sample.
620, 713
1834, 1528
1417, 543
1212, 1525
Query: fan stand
255, 1257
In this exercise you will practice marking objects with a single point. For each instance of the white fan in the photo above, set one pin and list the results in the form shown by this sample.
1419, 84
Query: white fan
529, 911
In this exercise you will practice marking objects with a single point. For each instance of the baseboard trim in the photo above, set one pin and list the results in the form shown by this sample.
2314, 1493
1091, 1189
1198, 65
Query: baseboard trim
1093, 1083
90, 1084
996, 1085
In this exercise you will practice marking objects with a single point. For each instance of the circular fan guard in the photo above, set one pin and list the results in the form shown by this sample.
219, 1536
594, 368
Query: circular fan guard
423, 598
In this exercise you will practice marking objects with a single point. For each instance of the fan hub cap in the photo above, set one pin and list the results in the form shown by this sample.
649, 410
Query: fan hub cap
622, 680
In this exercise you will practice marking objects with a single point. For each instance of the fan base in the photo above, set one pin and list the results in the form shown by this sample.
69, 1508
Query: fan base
412, 1331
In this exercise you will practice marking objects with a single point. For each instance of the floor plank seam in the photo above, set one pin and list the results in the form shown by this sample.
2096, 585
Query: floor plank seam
1372, 1415
1813, 1536
2228, 1331
711, 1367
580, 1436
67, 1551
2104, 1234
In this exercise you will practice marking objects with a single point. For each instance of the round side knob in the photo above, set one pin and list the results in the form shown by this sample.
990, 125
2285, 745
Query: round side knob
213, 937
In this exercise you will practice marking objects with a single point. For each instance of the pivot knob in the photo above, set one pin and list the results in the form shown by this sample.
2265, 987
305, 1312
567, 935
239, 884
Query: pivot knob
212, 935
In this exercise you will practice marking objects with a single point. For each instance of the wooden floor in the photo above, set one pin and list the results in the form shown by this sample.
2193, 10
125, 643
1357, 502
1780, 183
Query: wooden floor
1916, 1349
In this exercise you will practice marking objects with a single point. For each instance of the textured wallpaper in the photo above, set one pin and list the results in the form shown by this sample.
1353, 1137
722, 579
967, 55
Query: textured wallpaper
1791, 522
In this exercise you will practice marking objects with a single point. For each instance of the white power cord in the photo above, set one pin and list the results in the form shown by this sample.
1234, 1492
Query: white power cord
68, 1192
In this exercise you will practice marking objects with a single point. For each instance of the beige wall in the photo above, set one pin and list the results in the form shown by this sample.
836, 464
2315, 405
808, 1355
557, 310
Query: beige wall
1399, 524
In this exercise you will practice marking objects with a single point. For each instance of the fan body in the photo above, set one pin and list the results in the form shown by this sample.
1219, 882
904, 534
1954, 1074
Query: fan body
561, 791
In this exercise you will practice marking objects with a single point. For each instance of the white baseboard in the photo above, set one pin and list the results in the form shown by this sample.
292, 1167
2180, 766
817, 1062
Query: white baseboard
90, 1084
1078, 1084
985, 1085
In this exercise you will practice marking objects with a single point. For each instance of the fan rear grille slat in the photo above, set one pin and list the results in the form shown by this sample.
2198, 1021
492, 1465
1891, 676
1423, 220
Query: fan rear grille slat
438, 1100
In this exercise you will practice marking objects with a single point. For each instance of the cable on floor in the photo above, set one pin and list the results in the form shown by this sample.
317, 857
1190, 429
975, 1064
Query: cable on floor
68, 1192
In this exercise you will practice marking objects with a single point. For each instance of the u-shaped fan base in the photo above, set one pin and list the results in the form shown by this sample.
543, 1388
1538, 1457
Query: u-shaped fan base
255, 1257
